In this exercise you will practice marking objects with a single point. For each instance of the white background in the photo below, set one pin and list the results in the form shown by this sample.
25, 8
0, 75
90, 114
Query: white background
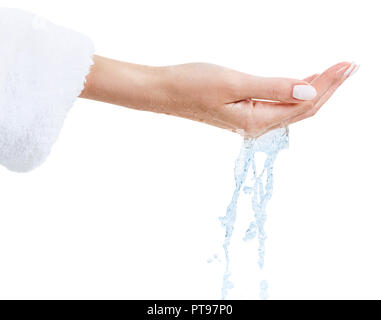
127, 204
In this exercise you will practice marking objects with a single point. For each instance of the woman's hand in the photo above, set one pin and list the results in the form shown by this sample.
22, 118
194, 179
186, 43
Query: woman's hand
213, 94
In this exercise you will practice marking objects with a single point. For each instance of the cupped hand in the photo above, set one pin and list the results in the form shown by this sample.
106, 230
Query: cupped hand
234, 100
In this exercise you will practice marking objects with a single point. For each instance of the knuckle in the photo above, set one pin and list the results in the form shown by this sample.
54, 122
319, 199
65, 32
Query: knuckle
282, 89
231, 85
312, 112
307, 109
309, 106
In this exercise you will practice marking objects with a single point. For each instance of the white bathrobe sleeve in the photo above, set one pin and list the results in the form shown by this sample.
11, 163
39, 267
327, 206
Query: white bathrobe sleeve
43, 68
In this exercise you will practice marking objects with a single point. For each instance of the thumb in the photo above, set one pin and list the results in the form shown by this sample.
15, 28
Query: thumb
278, 89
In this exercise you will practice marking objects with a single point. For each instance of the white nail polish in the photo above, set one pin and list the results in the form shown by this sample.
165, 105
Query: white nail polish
350, 69
354, 70
304, 92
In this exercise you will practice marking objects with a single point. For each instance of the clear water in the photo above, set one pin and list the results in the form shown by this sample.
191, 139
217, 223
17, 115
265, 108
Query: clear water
260, 188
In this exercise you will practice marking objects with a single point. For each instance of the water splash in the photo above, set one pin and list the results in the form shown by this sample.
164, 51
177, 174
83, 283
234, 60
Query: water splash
215, 258
263, 294
261, 189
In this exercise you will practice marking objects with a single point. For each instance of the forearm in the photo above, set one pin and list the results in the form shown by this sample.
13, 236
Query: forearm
213, 94
126, 84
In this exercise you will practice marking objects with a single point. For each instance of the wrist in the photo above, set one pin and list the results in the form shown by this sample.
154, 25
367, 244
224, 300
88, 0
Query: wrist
131, 85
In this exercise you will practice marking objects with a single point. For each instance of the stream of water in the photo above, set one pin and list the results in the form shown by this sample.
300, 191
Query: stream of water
260, 187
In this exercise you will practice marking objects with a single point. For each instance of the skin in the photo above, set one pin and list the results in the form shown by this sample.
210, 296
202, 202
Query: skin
209, 93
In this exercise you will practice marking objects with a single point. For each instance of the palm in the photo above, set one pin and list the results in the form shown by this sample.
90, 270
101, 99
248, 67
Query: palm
257, 117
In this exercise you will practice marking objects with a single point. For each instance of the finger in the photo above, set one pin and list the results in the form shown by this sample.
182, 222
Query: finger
332, 74
288, 90
322, 84
349, 72
315, 108
277, 113
276, 89
311, 78
324, 98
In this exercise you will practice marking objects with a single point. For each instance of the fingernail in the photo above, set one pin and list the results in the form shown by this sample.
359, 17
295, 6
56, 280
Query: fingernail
304, 92
350, 69
340, 70
354, 70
